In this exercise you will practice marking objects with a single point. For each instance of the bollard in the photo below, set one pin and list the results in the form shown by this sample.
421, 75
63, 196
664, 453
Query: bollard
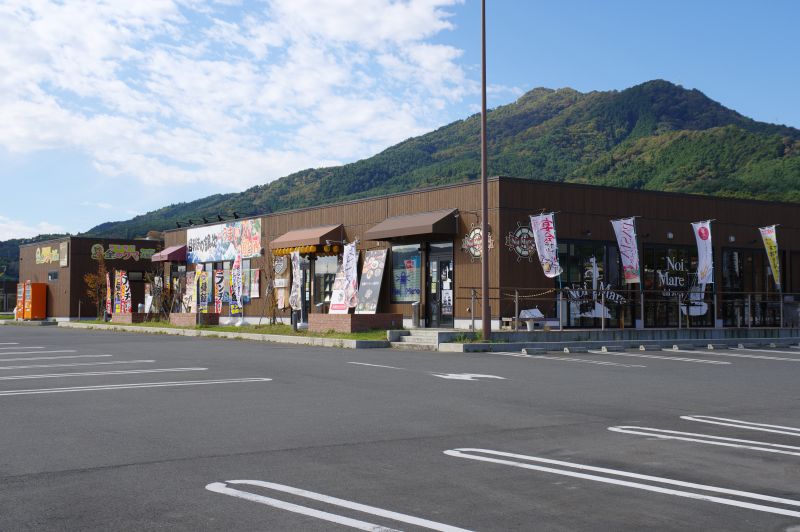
294, 318
516, 309
472, 309
415, 314
603, 312
560, 311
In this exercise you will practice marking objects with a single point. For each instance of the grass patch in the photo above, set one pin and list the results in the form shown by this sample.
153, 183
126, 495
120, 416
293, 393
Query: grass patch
276, 329
6, 316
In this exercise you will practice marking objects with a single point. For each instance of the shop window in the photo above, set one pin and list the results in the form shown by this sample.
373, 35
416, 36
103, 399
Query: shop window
324, 275
406, 274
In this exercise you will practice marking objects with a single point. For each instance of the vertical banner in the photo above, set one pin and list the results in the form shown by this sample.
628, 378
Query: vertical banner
338, 303
770, 238
705, 254
117, 292
350, 267
189, 293
625, 230
371, 277
280, 282
295, 296
236, 287
108, 293
255, 283
125, 292
544, 235
219, 290
202, 292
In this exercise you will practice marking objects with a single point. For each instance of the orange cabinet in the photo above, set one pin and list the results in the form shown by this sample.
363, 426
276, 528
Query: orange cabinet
35, 301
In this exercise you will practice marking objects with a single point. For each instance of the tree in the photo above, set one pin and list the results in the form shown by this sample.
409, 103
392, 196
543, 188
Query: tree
96, 285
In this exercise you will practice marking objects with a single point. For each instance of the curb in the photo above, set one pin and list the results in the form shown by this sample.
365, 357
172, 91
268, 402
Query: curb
271, 338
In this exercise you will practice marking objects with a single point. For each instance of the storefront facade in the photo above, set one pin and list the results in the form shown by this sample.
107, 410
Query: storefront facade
63, 263
433, 242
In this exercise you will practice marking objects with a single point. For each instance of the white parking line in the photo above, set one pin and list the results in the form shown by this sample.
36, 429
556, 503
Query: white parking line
749, 425
568, 359
97, 373
9, 343
132, 386
4, 360
21, 347
736, 355
766, 351
78, 364
38, 352
221, 487
463, 453
708, 439
660, 357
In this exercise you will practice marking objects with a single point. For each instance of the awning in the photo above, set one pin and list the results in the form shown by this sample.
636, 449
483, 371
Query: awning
425, 223
172, 254
309, 236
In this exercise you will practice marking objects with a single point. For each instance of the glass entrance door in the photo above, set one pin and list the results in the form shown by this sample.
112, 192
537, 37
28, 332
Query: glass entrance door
440, 286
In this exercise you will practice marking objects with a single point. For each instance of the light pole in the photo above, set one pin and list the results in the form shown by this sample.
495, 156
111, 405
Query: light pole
486, 319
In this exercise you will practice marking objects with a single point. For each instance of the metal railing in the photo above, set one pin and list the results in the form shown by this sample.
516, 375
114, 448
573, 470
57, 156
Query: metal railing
633, 308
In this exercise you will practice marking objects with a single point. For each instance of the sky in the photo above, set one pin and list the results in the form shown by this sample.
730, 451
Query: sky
111, 109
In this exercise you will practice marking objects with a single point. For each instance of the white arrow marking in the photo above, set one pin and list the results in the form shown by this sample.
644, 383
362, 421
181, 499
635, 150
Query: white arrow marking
220, 487
130, 386
462, 453
465, 376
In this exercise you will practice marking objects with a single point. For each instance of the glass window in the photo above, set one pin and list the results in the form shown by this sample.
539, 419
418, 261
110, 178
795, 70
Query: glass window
52, 276
406, 266
324, 275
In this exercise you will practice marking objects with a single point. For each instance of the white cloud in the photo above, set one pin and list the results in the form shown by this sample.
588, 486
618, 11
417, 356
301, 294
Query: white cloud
16, 229
182, 91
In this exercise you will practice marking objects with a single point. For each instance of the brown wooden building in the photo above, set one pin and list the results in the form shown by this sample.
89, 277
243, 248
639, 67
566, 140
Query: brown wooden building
431, 234
62, 264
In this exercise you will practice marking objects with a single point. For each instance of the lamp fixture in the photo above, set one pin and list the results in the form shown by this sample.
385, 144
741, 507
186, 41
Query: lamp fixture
731, 238
670, 236
588, 232
220, 218
178, 224
235, 215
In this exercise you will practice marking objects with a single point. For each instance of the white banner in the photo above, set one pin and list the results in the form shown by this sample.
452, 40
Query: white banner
236, 285
350, 267
705, 254
544, 235
338, 303
770, 238
295, 295
625, 230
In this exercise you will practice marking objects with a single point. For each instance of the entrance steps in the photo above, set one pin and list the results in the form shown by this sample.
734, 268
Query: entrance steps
417, 340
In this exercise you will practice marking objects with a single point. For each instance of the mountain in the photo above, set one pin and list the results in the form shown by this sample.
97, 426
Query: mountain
654, 136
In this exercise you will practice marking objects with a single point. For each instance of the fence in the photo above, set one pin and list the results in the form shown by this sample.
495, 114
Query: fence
603, 308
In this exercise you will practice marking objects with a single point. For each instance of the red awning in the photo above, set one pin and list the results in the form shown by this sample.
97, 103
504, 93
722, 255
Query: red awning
171, 254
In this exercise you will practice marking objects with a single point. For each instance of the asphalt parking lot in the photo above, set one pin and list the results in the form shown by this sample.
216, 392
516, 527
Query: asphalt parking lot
116, 431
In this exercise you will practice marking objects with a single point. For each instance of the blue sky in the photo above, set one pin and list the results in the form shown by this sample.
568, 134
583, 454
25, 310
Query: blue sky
153, 103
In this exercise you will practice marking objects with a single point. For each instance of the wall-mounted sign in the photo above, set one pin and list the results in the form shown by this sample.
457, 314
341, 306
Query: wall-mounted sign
473, 243
520, 241
121, 252
223, 242
47, 255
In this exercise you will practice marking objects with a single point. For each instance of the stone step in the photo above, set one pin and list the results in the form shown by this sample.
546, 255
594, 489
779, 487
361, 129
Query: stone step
417, 340
403, 346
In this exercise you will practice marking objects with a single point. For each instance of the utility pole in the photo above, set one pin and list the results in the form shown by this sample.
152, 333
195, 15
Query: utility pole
486, 319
